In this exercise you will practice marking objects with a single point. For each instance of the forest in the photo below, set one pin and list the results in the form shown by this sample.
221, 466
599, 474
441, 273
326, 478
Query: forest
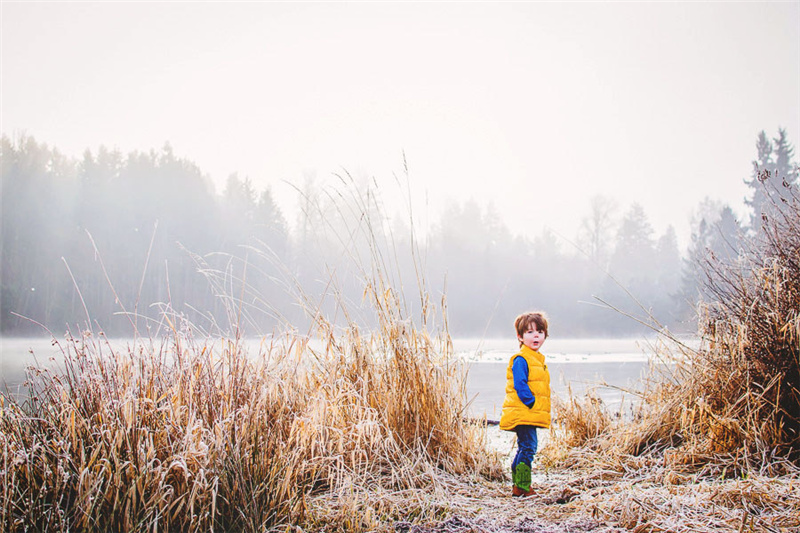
111, 240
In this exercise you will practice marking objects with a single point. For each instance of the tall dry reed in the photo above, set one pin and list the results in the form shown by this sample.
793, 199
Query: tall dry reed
733, 405
193, 436
343, 429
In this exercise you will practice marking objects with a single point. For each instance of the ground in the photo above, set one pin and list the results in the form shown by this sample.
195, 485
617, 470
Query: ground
493, 510
577, 504
639, 494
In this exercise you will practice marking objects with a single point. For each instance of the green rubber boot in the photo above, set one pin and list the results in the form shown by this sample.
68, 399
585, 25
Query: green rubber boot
522, 477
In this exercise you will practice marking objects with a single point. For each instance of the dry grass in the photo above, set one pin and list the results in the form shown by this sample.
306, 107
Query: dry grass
341, 429
365, 432
734, 403
186, 436
713, 444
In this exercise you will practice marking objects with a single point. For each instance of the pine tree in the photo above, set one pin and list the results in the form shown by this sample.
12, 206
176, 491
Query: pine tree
786, 168
717, 237
634, 253
773, 179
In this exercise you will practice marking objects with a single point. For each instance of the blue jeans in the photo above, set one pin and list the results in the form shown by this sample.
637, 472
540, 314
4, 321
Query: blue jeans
527, 443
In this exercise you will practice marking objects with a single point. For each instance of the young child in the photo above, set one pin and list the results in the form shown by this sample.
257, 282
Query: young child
527, 402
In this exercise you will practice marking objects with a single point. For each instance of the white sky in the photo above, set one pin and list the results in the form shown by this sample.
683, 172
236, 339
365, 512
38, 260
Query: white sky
534, 107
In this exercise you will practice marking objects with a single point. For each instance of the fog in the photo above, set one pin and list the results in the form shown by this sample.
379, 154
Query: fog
114, 240
525, 155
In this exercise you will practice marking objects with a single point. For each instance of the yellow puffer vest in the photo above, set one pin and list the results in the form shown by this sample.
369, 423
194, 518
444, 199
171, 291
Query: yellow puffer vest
515, 412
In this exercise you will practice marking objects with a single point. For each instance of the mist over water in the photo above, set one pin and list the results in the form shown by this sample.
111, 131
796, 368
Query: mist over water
576, 364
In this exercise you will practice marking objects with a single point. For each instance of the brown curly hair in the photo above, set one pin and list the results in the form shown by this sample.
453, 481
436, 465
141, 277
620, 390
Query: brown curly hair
524, 321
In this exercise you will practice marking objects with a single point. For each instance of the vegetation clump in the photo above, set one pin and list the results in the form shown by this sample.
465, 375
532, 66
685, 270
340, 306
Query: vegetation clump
721, 420
339, 429
735, 402
732, 403
185, 436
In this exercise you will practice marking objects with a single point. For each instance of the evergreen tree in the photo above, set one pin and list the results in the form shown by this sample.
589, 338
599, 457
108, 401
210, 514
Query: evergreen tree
774, 177
38, 204
668, 306
270, 226
716, 236
668, 262
724, 242
633, 269
634, 252
472, 250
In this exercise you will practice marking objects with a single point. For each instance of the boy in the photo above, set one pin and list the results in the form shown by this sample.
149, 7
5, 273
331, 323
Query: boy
527, 402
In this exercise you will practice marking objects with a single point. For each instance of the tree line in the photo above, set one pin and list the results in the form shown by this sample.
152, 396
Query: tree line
111, 240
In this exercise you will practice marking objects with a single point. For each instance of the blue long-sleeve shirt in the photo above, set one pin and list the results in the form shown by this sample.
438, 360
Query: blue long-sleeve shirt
520, 370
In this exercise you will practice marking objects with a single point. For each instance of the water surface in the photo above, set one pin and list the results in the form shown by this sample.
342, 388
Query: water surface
579, 364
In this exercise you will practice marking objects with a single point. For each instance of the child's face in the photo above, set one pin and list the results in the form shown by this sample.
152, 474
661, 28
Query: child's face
532, 338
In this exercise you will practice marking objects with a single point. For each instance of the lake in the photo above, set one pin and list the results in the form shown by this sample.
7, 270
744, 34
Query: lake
577, 363
608, 366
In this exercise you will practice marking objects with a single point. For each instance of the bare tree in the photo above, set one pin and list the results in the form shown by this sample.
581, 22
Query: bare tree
596, 233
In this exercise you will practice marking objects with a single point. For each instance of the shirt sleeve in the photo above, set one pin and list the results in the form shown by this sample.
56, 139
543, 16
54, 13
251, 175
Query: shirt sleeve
520, 370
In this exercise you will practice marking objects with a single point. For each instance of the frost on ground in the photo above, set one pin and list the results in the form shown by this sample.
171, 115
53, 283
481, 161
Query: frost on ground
648, 498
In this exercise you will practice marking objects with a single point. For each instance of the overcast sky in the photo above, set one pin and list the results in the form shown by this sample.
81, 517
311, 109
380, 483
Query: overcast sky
534, 107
